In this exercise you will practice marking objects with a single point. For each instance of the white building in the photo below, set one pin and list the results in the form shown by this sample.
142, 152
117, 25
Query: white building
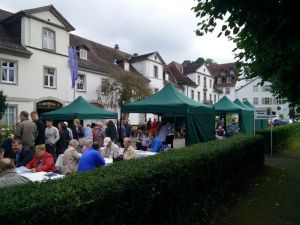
261, 96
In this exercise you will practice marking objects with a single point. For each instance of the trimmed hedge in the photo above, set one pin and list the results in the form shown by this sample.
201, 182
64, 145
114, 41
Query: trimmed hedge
178, 187
282, 135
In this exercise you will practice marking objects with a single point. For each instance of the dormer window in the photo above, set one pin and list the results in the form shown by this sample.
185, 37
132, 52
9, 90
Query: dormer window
155, 71
48, 39
83, 54
231, 71
126, 66
223, 72
229, 80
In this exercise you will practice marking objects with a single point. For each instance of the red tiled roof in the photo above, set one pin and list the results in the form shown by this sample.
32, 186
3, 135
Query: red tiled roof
191, 68
176, 70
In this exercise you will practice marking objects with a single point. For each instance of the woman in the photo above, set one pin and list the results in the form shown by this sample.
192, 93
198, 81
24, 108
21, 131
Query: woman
71, 158
42, 161
111, 131
64, 138
99, 134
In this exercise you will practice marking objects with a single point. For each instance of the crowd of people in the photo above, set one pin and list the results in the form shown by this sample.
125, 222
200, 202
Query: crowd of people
37, 145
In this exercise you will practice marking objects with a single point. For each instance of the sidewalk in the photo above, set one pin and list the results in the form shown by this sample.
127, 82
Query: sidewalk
274, 199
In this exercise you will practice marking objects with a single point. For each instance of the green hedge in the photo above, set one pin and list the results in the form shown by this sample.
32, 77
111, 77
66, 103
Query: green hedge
178, 187
282, 135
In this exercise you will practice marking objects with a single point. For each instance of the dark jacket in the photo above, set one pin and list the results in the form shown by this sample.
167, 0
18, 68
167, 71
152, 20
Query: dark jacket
63, 143
40, 139
8, 152
26, 155
111, 131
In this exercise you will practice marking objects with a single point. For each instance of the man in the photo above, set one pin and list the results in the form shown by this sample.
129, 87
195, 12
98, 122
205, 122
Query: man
8, 174
129, 152
70, 131
88, 132
26, 130
23, 156
42, 161
40, 139
155, 143
91, 158
51, 137
110, 149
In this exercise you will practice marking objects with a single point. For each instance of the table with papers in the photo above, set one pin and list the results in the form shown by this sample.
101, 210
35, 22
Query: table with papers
38, 176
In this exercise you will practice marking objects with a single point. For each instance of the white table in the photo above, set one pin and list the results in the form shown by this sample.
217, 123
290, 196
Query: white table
38, 176
140, 153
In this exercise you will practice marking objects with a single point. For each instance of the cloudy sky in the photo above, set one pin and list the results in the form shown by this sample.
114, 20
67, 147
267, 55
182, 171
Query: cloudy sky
138, 26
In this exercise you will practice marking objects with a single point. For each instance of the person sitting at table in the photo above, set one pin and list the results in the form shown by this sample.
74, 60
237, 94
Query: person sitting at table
110, 149
155, 143
8, 174
71, 158
220, 133
91, 158
129, 152
22, 156
42, 161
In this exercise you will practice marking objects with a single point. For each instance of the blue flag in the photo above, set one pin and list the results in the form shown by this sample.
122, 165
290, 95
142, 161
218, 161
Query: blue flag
73, 62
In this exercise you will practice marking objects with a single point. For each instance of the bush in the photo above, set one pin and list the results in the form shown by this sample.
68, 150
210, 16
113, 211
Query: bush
282, 135
178, 187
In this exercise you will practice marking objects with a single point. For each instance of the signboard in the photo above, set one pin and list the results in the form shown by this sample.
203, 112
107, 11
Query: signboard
262, 113
48, 104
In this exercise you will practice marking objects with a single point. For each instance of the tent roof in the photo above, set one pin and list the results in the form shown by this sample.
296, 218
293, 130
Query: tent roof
167, 101
239, 103
224, 105
80, 109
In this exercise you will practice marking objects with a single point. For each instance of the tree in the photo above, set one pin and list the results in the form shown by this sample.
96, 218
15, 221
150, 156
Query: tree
123, 87
200, 60
2, 104
267, 37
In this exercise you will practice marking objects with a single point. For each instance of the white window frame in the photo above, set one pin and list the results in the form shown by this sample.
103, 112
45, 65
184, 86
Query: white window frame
6, 116
83, 54
155, 71
266, 88
219, 80
81, 82
48, 76
47, 40
255, 101
266, 101
229, 80
8, 69
227, 90
255, 88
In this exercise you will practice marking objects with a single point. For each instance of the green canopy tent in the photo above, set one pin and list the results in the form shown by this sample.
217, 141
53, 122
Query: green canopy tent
79, 109
246, 119
170, 102
259, 123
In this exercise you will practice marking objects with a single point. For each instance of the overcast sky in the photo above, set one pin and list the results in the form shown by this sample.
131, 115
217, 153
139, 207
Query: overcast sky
138, 26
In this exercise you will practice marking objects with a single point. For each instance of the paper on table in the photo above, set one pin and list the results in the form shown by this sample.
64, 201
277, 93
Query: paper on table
22, 169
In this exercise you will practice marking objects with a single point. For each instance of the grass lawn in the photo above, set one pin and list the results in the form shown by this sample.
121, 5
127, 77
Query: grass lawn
274, 198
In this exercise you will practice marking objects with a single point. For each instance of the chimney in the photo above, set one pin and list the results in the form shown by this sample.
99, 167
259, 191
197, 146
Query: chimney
135, 54
116, 46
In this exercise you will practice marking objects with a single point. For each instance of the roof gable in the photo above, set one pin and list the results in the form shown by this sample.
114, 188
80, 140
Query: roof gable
148, 56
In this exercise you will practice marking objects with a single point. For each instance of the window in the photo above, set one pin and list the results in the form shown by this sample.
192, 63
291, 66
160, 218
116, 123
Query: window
245, 99
222, 72
83, 54
198, 80
10, 116
8, 72
219, 80
229, 80
255, 88
266, 88
204, 81
155, 71
155, 90
192, 94
48, 39
255, 101
199, 96
81, 82
210, 97
227, 90
210, 83
204, 95
231, 71
104, 83
215, 98
49, 78
266, 101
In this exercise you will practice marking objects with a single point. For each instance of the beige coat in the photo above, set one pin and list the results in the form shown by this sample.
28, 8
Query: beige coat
70, 160
129, 153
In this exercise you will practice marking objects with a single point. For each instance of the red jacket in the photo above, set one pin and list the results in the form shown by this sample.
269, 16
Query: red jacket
46, 163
